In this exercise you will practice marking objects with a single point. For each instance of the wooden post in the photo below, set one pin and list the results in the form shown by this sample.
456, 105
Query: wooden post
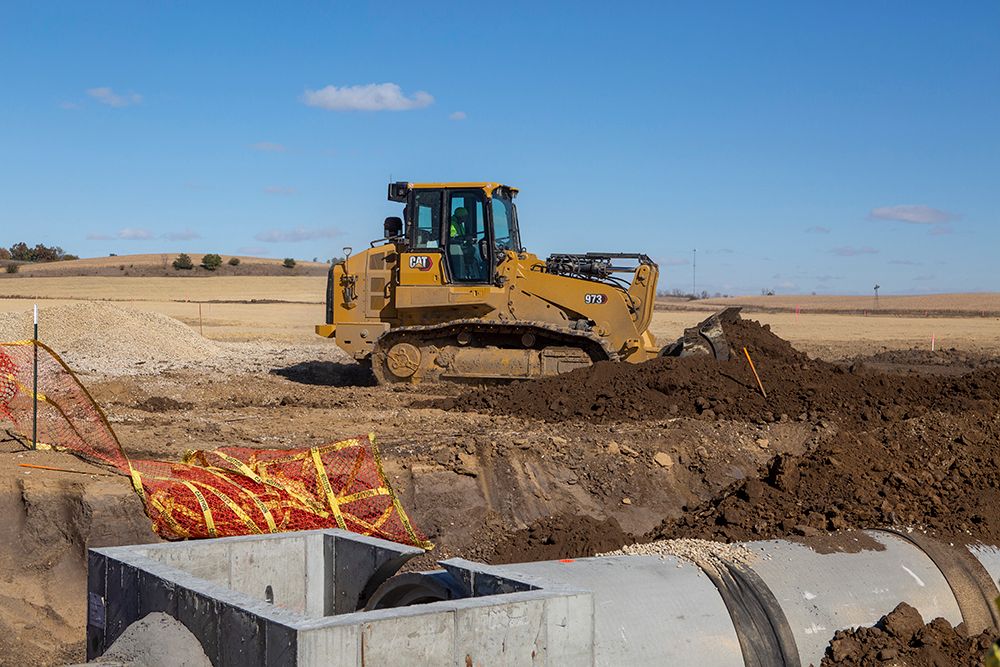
34, 387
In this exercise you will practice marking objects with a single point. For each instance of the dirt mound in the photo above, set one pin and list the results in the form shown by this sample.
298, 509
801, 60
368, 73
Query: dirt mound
556, 537
156, 640
902, 638
162, 404
937, 472
101, 337
797, 388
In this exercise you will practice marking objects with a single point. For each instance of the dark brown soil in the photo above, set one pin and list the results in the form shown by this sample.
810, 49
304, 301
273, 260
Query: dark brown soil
902, 638
162, 404
797, 388
924, 362
934, 471
558, 537
890, 449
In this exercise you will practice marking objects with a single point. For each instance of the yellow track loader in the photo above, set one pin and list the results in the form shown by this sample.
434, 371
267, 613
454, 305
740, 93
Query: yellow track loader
449, 293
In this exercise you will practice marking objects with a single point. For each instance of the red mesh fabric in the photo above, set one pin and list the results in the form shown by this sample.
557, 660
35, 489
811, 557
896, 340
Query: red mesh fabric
227, 491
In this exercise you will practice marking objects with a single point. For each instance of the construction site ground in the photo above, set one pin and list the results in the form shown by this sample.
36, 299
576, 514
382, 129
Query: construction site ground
905, 436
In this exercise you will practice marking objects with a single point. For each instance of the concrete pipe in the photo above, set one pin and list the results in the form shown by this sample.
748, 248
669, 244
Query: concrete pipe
780, 606
328, 597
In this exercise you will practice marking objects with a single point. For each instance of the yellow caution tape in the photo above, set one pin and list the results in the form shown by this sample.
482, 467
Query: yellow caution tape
405, 520
325, 481
205, 509
233, 507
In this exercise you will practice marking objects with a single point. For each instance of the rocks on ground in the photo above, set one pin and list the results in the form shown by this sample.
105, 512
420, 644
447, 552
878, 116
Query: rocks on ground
902, 638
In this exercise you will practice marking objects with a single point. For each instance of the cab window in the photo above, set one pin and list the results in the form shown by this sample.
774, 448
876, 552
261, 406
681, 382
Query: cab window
468, 243
427, 220
504, 232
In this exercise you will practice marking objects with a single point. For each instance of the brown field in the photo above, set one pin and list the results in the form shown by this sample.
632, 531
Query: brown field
161, 265
230, 308
981, 303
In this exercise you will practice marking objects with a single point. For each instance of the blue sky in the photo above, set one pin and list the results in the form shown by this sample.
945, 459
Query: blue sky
799, 146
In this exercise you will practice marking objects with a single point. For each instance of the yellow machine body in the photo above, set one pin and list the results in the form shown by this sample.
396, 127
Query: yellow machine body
444, 296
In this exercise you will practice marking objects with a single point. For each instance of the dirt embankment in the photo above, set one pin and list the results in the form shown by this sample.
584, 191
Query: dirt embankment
890, 449
50, 519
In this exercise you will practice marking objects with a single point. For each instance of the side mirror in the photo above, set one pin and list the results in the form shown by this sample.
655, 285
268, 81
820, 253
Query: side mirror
393, 227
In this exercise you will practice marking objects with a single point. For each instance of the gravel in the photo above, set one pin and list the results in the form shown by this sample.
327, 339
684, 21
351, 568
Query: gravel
156, 640
694, 550
105, 339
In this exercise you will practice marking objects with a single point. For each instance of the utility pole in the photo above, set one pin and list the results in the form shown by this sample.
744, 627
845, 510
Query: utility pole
694, 273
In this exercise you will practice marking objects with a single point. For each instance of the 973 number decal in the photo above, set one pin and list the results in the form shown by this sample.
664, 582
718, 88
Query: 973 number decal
595, 299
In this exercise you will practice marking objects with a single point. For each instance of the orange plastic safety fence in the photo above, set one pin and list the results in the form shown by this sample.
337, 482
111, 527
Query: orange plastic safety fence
227, 491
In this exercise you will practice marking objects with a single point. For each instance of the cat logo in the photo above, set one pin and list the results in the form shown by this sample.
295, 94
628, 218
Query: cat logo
595, 299
421, 262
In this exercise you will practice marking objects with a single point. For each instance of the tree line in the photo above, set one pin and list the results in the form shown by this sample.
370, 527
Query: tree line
22, 252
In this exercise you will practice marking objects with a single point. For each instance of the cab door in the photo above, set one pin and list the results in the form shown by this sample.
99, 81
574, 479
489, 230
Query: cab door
424, 261
467, 246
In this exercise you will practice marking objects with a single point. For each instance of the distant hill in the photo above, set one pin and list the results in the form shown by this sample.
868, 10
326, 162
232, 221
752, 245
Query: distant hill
162, 265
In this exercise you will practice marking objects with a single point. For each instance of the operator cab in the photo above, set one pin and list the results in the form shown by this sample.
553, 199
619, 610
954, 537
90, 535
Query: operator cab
471, 224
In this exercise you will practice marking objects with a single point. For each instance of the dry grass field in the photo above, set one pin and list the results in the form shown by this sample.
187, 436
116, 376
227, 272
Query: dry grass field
940, 304
285, 308
215, 288
161, 264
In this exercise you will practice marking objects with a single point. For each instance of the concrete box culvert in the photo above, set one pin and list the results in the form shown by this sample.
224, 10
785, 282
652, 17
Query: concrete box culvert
294, 599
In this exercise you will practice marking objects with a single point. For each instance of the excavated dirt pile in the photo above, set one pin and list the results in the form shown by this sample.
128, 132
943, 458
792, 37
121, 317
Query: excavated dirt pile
797, 388
556, 537
936, 472
890, 449
902, 638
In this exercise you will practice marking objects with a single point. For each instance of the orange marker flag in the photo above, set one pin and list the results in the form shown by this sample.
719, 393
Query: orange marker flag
764, 393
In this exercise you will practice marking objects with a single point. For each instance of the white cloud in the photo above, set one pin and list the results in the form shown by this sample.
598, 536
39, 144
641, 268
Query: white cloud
916, 214
269, 147
458, 115
296, 235
126, 234
105, 95
183, 235
134, 234
817, 229
280, 190
368, 97
852, 251
69, 105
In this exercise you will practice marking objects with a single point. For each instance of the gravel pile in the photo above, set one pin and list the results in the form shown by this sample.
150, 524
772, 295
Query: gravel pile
105, 339
156, 640
694, 550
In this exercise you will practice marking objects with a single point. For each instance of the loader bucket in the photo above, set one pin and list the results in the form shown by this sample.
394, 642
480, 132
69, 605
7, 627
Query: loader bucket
707, 337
